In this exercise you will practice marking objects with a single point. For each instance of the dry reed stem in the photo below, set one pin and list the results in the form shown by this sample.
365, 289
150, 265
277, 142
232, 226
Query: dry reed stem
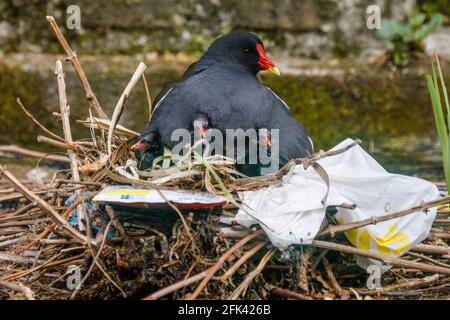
65, 113
118, 110
31, 153
429, 249
176, 286
149, 99
26, 291
290, 294
216, 266
334, 283
230, 272
376, 256
72, 57
332, 230
252, 275
35, 121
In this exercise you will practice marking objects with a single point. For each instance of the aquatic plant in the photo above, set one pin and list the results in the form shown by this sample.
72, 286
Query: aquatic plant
436, 83
407, 36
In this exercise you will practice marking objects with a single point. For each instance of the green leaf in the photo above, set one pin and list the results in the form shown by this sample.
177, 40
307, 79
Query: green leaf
444, 90
216, 177
418, 20
393, 30
425, 30
438, 111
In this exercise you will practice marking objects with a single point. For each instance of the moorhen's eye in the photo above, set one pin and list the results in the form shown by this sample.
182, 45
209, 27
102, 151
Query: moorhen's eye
246, 50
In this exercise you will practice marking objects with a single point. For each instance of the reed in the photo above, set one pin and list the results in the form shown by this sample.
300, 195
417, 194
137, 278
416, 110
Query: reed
441, 110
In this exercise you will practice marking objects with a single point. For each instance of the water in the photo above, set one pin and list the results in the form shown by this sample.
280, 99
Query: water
389, 111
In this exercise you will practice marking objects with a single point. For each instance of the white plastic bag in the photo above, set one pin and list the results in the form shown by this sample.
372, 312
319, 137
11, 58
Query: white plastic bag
293, 213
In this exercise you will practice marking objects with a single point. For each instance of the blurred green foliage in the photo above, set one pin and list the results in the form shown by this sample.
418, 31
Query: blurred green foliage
15, 127
408, 36
430, 7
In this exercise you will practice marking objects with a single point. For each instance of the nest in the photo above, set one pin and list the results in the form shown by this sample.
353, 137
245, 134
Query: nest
179, 255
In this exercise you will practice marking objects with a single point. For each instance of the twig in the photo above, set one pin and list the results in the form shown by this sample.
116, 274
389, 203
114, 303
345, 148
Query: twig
43, 205
375, 255
121, 103
86, 276
321, 155
440, 235
117, 224
176, 286
215, 267
32, 153
336, 287
104, 124
48, 229
332, 230
175, 208
15, 259
432, 279
24, 209
289, 294
110, 279
423, 257
429, 249
83, 183
35, 121
65, 112
55, 143
241, 261
48, 264
91, 97
27, 292
308, 161
252, 275
13, 236
149, 99
303, 269
318, 277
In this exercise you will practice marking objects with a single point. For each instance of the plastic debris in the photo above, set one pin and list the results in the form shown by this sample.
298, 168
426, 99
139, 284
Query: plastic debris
157, 199
359, 188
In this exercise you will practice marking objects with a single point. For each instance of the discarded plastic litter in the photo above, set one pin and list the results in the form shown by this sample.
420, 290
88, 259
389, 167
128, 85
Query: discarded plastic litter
152, 198
293, 213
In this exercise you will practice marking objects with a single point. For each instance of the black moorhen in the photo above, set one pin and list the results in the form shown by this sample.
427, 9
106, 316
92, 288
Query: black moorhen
223, 90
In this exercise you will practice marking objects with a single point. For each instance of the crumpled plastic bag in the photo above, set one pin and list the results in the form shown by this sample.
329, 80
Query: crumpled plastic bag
293, 213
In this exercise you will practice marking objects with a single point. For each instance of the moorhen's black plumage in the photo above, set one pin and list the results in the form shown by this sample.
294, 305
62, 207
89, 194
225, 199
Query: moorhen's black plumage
223, 88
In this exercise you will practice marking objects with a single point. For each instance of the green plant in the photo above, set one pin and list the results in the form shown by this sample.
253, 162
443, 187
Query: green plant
436, 83
407, 36
429, 7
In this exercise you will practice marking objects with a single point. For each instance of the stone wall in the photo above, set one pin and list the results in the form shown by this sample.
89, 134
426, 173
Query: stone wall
306, 28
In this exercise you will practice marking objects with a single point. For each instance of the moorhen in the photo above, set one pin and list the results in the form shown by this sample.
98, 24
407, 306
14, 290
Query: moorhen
222, 91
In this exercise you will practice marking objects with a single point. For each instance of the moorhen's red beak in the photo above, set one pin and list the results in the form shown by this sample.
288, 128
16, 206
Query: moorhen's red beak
265, 62
200, 124
202, 131
138, 145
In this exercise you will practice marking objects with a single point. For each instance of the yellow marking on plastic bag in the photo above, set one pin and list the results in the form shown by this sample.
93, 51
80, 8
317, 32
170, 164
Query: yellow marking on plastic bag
398, 240
392, 237
393, 240
385, 251
404, 243
351, 235
364, 240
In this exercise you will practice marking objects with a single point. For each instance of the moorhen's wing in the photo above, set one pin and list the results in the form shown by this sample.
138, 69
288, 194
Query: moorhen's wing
294, 140
190, 71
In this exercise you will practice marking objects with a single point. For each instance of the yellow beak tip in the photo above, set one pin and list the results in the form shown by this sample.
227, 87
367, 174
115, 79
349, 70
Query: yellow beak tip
274, 70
